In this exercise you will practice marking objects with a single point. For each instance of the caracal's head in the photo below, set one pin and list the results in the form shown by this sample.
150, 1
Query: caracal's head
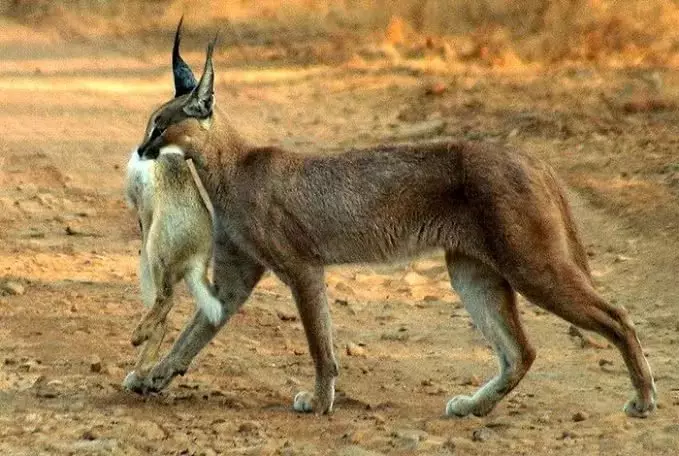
183, 123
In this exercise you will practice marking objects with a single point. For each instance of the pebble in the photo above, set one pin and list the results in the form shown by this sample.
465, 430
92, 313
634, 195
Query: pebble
355, 350
435, 88
88, 435
249, 427
482, 434
284, 315
13, 288
580, 416
606, 365
472, 380
398, 335
567, 435
410, 438
95, 364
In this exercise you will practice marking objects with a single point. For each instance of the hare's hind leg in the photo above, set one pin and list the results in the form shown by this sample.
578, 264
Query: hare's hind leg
492, 304
149, 352
163, 281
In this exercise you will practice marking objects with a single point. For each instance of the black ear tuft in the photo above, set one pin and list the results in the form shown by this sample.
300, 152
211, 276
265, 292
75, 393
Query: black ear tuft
201, 101
184, 80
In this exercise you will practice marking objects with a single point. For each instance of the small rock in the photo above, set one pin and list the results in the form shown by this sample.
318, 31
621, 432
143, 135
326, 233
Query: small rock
355, 350
482, 434
249, 427
396, 335
95, 364
565, 435
472, 380
580, 416
285, 315
605, 364
13, 288
435, 88
409, 438
621, 259
89, 435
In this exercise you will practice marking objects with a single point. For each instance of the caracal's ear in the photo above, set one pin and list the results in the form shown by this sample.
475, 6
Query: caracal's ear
199, 103
184, 80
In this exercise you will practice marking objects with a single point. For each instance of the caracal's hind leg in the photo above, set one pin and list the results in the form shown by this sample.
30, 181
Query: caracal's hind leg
492, 304
567, 291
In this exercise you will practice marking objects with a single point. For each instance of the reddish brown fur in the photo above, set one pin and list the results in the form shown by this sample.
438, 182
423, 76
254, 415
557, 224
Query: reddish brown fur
501, 217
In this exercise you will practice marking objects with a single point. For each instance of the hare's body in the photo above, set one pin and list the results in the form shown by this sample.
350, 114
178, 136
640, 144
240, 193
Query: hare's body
176, 242
500, 216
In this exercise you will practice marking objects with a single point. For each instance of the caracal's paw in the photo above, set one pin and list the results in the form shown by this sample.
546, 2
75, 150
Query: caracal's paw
636, 408
306, 402
155, 381
134, 382
462, 406
161, 376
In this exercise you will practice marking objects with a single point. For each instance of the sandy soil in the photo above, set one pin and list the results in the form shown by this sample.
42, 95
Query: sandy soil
68, 253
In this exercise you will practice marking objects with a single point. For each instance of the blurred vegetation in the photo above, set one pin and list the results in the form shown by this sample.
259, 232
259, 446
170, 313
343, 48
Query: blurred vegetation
495, 31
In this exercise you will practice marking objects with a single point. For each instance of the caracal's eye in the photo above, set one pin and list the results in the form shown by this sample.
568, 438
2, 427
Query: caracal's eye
155, 133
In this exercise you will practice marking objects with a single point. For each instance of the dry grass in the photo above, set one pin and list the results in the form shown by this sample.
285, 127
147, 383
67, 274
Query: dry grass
496, 32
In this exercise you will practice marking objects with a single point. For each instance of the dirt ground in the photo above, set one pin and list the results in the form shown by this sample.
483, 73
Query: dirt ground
71, 113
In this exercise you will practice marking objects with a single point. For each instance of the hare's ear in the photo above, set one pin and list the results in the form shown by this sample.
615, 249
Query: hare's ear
184, 80
200, 102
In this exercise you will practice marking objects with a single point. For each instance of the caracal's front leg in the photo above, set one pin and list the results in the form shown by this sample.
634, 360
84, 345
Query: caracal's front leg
308, 289
235, 275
